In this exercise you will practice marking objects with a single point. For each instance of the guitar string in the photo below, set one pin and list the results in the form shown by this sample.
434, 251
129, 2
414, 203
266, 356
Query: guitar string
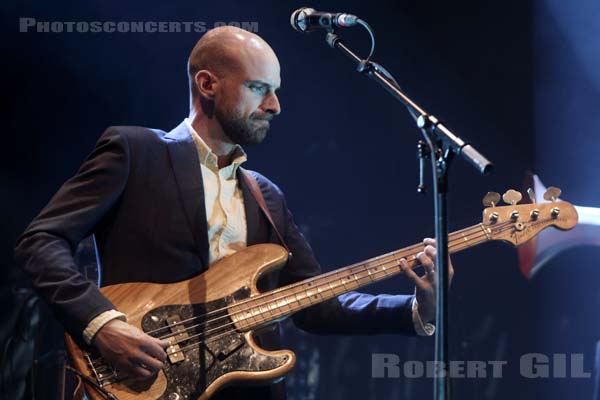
461, 246
349, 270
213, 334
457, 247
394, 254
278, 314
385, 256
320, 280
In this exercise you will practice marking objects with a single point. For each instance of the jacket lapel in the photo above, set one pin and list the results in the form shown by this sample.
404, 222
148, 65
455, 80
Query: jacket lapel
186, 167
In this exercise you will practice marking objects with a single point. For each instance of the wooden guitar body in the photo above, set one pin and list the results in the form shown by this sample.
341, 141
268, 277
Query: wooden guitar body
228, 352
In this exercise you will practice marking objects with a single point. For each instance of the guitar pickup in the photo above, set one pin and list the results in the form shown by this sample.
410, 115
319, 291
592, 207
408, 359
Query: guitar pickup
174, 351
235, 344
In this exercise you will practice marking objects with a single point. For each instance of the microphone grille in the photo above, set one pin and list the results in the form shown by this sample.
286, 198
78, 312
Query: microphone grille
297, 19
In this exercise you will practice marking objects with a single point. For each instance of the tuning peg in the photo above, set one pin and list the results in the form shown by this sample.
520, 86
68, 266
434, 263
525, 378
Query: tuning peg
552, 193
512, 197
531, 195
491, 199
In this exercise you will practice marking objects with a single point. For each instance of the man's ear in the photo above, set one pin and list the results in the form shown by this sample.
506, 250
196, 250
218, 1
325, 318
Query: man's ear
206, 83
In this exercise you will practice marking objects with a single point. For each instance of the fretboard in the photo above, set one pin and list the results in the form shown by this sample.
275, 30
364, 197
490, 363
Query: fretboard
286, 300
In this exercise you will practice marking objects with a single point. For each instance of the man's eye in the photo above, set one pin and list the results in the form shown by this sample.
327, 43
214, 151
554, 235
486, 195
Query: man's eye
258, 89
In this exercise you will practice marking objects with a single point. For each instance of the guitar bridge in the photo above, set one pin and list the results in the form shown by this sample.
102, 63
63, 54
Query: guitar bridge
174, 351
102, 372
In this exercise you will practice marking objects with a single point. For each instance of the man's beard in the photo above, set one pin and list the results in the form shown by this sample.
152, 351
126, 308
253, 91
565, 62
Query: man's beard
240, 130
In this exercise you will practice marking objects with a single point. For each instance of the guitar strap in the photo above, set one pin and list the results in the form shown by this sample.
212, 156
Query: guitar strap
258, 196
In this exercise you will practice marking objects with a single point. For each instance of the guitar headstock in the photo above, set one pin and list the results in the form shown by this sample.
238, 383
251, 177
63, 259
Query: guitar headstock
517, 223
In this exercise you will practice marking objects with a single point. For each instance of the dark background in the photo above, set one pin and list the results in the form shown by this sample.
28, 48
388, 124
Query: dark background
519, 79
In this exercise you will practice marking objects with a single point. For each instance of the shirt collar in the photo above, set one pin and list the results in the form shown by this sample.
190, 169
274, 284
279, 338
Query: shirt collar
209, 159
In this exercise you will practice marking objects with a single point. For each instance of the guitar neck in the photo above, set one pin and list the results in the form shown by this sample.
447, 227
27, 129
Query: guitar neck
287, 300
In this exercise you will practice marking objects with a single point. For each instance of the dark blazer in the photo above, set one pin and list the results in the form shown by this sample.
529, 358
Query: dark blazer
140, 192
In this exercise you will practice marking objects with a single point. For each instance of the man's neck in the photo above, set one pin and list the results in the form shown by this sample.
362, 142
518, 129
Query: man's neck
214, 137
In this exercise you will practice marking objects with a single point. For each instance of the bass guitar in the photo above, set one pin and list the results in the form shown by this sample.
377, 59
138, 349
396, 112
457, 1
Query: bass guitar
210, 320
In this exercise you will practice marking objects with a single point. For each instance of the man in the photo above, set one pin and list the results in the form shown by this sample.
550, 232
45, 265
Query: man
163, 206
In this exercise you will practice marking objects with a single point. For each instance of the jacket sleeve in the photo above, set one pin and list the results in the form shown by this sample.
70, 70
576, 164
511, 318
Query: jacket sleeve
45, 250
352, 313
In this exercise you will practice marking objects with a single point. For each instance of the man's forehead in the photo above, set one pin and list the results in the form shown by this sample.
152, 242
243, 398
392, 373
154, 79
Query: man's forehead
262, 68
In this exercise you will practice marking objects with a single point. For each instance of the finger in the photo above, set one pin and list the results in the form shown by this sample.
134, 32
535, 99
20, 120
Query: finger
139, 372
426, 262
153, 347
412, 275
429, 241
163, 343
148, 362
431, 251
132, 370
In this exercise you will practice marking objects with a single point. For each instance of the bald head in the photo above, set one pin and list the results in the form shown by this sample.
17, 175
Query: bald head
226, 50
234, 75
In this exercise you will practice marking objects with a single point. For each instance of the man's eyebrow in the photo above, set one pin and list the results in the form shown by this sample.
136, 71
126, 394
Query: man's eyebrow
262, 83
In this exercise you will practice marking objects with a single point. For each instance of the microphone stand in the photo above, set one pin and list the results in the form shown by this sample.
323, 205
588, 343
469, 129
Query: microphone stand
443, 145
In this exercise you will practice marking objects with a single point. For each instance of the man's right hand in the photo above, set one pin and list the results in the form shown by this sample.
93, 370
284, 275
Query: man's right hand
131, 352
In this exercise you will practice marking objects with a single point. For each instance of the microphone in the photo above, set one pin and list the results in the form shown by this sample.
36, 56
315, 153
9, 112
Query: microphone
307, 19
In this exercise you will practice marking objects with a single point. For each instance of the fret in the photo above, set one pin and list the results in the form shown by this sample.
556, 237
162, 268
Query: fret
378, 273
340, 286
320, 292
251, 313
290, 302
309, 298
282, 303
391, 269
315, 296
298, 300
308, 289
386, 271
273, 305
243, 315
363, 277
344, 284
304, 300
356, 280
257, 315
350, 280
331, 288
258, 311
261, 313
370, 272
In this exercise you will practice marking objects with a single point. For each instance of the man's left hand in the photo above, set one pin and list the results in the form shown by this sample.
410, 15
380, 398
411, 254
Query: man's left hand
426, 284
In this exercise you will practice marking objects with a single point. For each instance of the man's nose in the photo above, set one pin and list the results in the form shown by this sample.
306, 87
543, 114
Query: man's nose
271, 104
